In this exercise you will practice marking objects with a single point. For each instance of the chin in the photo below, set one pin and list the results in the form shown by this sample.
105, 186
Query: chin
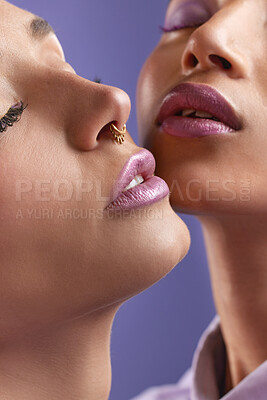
136, 252
158, 244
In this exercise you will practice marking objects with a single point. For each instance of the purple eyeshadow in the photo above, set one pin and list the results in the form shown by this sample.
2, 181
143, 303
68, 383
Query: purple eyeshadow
189, 13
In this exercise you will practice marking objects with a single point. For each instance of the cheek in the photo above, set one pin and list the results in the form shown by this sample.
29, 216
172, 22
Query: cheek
40, 184
160, 73
41, 243
143, 93
148, 92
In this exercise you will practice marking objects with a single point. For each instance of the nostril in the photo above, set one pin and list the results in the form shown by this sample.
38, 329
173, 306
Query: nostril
220, 61
192, 61
104, 132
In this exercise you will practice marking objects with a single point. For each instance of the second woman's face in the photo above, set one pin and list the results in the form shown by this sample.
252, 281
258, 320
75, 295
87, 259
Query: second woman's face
62, 254
202, 97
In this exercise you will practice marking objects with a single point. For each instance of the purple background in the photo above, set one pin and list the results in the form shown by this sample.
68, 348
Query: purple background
154, 334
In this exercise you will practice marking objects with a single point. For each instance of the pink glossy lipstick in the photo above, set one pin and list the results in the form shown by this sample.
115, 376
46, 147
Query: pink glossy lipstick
136, 186
196, 110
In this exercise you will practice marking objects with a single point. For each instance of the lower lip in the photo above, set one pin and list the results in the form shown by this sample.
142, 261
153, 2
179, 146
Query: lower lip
149, 192
193, 127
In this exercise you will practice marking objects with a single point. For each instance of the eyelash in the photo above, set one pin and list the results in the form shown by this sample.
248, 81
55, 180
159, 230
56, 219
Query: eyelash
97, 80
177, 28
13, 115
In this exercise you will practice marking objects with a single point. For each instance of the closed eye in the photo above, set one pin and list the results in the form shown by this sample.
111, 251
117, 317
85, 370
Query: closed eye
13, 115
189, 13
178, 27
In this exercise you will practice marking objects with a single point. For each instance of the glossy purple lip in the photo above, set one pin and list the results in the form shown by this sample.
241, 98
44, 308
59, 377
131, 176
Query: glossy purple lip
201, 98
150, 191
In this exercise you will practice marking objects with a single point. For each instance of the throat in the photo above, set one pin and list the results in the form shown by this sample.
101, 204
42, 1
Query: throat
237, 253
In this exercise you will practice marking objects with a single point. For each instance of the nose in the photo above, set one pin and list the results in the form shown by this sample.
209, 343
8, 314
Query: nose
90, 107
221, 43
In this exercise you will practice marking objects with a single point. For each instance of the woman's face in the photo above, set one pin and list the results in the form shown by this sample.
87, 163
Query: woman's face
62, 255
214, 163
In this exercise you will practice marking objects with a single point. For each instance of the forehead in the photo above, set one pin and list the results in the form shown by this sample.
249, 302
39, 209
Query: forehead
25, 25
21, 34
13, 16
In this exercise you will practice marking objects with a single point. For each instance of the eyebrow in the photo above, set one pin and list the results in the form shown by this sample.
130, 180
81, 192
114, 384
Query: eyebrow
39, 28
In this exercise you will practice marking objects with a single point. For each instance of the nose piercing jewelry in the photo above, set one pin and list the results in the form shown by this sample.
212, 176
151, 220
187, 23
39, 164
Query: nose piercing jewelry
117, 134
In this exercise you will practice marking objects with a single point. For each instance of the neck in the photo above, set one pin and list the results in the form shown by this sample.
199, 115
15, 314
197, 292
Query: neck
237, 255
71, 361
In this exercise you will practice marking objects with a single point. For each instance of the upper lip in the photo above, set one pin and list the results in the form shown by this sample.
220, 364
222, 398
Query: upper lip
198, 97
141, 163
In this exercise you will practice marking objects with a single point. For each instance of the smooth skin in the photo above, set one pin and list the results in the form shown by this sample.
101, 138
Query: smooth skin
220, 179
63, 278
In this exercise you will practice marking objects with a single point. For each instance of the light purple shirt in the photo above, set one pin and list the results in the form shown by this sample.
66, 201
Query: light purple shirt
203, 379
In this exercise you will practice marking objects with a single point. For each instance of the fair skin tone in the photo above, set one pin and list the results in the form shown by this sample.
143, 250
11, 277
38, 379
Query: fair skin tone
234, 224
63, 279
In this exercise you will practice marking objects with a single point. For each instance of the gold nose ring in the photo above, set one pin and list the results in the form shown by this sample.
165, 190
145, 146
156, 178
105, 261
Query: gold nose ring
117, 134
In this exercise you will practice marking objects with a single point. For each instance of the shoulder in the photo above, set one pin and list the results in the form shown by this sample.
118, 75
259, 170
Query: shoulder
177, 391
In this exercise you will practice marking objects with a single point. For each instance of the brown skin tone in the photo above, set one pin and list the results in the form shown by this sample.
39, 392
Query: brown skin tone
234, 224
63, 279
